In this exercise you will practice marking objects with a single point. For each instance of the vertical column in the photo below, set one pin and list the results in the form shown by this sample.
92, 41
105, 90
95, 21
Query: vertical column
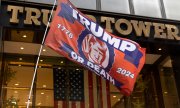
176, 70
163, 12
127, 102
157, 80
98, 4
34, 88
1, 53
131, 7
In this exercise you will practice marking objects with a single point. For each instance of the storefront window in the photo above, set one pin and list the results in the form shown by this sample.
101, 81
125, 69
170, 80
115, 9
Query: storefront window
168, 84
171, 8
59, 83
117, 99
16, 87
26, 36
44, 88
149, 8
44, 98
86, 4
18, 78
75, 85
40, 1
119, 6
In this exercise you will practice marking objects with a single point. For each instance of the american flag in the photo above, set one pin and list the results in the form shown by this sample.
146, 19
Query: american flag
80, 89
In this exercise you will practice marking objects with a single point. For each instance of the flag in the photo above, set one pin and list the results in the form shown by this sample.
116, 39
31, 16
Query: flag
77, 37
89, 91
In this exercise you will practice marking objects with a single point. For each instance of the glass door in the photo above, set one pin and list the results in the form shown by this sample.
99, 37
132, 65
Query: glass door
169, 89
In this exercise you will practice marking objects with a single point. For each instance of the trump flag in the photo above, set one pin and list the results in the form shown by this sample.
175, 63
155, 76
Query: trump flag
80, 39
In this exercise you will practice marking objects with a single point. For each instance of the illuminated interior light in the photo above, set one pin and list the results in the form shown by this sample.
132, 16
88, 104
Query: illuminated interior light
16, 84
159, 49
21, 48
41, 60
16, 92
42, 93
13, 102
29, 102
44, 86
165, 92
77, 69
20, 58
44, 50
62, 62
39, 104
24, 36
114, 96
19, 65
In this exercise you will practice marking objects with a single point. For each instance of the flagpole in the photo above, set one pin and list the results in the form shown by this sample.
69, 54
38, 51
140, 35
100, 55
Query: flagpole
40, 50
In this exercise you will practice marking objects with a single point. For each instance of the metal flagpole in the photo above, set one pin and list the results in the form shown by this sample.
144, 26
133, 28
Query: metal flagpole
40, 50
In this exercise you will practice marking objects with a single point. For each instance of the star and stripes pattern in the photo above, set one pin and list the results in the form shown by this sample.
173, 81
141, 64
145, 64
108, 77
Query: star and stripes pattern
80, 89
76, 85
68, 85
60, 85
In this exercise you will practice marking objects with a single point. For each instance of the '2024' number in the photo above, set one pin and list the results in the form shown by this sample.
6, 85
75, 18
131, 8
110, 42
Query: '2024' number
125, 72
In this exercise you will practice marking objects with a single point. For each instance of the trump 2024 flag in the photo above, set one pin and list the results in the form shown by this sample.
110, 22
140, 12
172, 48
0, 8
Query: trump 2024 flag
77, 37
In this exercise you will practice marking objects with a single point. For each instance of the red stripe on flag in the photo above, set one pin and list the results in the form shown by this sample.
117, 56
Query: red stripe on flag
82, 104
90, 82
73, 104
108, 94
55, 104
64, 104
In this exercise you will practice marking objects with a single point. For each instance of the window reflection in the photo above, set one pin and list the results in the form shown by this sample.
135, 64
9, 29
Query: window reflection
147, 8
86, 4
16, 88
138, 97
119, 6
171, 8
168, 84
97, 92
45, 78
17, 80
16, 97
116, 97
44, 98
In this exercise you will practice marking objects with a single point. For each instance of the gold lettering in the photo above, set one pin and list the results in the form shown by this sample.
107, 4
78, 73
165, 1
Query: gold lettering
30, 18
108, 21
45, 13
172, 32
15, 10
141, 27
120, 30
159, 30
123, 26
